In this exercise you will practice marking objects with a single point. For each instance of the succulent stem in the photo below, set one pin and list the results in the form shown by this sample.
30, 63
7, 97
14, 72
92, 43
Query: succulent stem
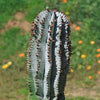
48, 55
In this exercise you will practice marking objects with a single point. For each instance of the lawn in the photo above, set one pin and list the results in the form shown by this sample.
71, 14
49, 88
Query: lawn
16, 17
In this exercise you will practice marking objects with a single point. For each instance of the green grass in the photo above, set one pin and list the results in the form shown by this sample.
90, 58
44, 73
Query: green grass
13, 42
8, 8
79, 98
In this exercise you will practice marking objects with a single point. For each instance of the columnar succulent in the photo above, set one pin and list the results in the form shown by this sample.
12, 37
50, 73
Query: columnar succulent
48, 55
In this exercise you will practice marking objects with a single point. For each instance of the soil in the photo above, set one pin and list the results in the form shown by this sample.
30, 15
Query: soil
19, 21
19, 16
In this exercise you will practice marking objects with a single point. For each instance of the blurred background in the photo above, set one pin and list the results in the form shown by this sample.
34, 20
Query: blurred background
16, 16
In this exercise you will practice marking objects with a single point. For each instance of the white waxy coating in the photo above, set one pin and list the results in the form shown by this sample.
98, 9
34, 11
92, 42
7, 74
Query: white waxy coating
47, 63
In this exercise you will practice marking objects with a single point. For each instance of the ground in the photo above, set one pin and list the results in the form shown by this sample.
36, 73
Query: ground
15, 24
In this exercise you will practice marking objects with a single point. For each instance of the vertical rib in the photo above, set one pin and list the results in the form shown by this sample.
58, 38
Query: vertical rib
57, 56
48, 62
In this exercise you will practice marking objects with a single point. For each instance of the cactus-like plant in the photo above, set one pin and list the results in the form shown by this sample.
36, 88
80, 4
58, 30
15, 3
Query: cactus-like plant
48, 55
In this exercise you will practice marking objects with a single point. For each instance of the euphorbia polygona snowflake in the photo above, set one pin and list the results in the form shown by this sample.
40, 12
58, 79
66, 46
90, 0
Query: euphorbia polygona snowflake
48, 55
